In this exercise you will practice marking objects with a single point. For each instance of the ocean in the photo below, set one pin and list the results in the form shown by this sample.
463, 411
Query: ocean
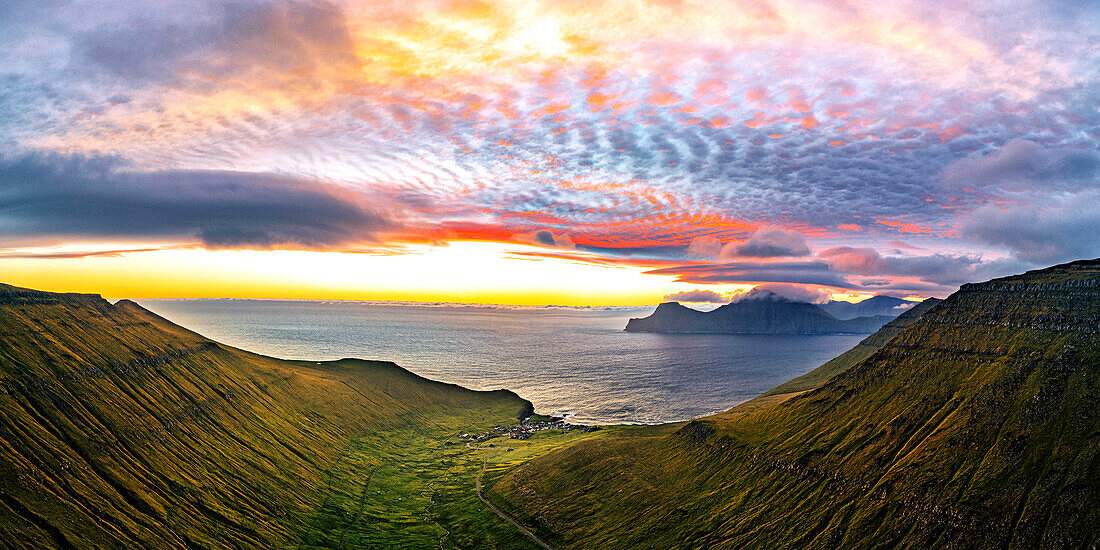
567, 361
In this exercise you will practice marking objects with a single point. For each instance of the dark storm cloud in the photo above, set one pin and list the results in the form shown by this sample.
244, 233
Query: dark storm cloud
1040, 203
544, 237
1022, 165
945, 270
547, 238
50, 198
848, 268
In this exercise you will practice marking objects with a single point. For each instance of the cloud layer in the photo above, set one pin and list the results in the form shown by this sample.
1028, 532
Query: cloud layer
696, 296
774, 143
56, 200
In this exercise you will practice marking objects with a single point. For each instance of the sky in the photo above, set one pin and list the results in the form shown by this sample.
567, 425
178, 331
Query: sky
595, 152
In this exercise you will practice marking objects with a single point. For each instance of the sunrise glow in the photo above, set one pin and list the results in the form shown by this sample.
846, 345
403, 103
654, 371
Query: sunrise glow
583, 153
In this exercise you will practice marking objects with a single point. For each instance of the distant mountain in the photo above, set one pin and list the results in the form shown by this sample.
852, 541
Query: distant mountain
119, 429
875, 305
974, 426
763, 313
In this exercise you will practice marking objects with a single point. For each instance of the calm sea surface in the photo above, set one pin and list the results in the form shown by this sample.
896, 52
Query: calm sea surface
566, 361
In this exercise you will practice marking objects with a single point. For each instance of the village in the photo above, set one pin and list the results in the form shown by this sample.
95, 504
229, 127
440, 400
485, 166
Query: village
524, 429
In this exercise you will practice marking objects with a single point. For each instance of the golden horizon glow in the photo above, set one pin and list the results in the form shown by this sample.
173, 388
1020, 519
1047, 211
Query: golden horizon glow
480, 273
462, 272
608, 152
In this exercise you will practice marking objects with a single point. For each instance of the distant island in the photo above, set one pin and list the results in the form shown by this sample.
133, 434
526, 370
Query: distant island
764, 312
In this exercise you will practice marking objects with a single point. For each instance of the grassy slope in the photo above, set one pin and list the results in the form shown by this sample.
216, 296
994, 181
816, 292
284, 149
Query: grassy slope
864, 349
819, 376
975, 426
422, 490
120, 429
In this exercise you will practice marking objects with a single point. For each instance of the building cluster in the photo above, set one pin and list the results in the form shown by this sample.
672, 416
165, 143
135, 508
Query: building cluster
524, 429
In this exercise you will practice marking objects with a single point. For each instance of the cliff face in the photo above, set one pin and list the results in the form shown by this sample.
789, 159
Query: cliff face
753, 317
975, 426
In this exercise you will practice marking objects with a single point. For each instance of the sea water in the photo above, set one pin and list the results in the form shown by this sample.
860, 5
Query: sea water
567, 361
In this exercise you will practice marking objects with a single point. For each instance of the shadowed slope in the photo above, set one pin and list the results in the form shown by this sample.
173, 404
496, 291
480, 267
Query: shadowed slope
121, 429
975, 426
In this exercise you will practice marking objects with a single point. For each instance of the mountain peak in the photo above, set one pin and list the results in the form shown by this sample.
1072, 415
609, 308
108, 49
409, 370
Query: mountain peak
671, 305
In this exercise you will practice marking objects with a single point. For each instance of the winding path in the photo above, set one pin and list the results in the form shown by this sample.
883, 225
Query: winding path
530, 535
362, 502
431, 502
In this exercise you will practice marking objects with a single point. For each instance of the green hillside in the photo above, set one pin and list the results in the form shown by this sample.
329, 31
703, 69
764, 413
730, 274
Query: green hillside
119, 429
864, 349
974, 427
819, 376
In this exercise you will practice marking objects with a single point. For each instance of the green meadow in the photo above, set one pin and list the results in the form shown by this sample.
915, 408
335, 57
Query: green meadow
422, 488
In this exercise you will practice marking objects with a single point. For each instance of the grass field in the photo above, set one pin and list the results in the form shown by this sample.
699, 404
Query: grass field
421, 491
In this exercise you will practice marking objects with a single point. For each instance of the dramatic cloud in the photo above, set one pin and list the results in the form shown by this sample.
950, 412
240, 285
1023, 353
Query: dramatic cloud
644, 131
696, 296
59, 199
250, 39
815, 273
547, 238
768, 243
706, 247
1023, 166
1039, 203
784, 292
1062, 229
943, 269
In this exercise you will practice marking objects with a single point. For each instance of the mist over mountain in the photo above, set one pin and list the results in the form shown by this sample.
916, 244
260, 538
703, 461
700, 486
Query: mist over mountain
875, 305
